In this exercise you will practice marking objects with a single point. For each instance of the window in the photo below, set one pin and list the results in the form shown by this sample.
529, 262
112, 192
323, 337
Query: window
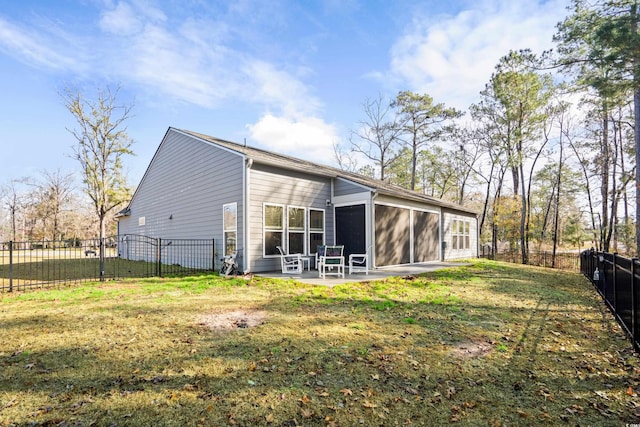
295, 230
460, 234
316, 229
230, 227
467, 235
273, 228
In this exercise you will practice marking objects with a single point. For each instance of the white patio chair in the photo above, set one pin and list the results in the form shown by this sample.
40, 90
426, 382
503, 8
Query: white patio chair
359, 263
291, 263
332, 263
319, 254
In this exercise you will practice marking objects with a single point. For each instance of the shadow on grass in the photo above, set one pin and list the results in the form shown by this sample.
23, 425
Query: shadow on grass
348, 354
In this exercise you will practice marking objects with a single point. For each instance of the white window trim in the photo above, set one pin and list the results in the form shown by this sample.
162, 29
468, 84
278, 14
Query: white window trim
312, 251
460, 236
224, 230
304, 231
264, 229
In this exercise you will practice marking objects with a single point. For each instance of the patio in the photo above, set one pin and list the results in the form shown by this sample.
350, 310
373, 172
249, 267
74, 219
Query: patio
311, 276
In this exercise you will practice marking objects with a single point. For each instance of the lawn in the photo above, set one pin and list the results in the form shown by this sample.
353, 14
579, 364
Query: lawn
482, 344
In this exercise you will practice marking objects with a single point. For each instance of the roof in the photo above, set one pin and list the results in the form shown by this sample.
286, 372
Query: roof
300, 165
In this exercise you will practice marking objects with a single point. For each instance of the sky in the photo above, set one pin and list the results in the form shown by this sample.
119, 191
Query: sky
287, 76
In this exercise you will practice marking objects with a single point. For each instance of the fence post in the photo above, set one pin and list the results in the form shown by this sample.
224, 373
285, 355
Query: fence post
159, 258
615, 281
213, 254
102, 278
634, 304
10, 265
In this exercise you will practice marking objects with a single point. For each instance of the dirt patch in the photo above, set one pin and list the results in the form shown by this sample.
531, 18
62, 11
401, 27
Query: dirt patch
471, 349
236, 319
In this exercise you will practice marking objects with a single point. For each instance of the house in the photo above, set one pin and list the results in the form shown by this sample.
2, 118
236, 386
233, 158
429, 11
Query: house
249, 201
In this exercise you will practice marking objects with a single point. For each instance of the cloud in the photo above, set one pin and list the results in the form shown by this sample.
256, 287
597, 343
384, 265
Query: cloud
122, 20
40, 48
272, 86
451, 57
193, 59
305, 137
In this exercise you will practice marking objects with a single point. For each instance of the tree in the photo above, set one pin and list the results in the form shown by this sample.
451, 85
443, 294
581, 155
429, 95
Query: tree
601, 41
53, 196
101, 143
421, 121
13, 196
465, 157
378, 134
514, 106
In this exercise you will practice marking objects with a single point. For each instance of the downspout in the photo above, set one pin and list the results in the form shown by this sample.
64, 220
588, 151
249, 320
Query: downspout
477, 238
246, 261
372, 219
333, 211
441, 234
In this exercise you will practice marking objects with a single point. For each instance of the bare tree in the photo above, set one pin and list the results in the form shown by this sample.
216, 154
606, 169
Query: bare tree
378, 134
101, 143
54, 195
13, 197
346, 161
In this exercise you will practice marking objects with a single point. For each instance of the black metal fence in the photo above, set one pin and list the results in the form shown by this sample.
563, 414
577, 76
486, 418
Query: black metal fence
616, 279
563, 260
46, 264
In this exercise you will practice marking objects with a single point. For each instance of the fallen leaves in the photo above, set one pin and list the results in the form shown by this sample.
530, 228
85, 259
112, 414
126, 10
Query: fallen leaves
346, 392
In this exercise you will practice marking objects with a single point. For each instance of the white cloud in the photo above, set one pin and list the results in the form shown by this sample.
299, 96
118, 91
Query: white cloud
272, 86
309, 138
452, 57
41, 49
122, 20
167, 63
197, 60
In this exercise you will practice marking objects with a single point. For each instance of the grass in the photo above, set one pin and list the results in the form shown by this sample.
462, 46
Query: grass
72, 269
483, 344
47, 268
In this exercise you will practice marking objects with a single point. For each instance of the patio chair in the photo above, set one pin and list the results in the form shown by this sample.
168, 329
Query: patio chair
291, 263
332, 262
359, 263
319, 254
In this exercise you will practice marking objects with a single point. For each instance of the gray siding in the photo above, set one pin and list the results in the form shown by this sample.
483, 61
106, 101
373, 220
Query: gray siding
343, 187
269, 184
182, 193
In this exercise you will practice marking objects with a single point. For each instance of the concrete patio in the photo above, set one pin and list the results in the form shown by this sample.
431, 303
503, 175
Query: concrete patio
311, 276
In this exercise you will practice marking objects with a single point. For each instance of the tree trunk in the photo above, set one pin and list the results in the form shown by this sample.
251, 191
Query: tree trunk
610, 226
524, 241
547, 213
494, 228
636, 115
604, 185
414, 161
592, 214
486, 199
636, 125
557, 213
